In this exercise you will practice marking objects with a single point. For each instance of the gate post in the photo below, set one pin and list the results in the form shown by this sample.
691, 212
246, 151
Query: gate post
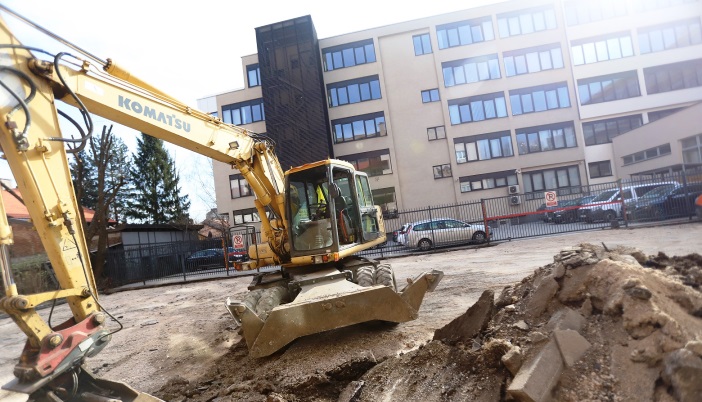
485, 220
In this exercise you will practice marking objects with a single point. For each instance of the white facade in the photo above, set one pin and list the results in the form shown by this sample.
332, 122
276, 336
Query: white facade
547, 36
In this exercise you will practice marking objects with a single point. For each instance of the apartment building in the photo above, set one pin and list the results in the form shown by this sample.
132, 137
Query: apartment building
520, 96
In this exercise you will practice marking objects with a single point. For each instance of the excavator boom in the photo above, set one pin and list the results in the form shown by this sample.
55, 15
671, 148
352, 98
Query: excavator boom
314, 218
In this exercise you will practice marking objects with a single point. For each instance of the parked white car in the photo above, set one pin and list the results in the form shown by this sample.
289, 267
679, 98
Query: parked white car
443, 231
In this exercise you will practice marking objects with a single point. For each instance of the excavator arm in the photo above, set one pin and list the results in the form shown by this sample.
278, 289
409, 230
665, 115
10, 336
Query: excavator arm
32, 82
321, 284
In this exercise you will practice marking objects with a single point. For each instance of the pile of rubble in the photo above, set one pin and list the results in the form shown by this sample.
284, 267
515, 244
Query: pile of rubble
596, 324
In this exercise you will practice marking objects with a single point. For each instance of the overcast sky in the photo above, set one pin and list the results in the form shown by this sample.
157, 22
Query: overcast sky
191, 50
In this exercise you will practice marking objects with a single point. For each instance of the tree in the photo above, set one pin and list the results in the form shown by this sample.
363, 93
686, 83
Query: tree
100, 174
157, 196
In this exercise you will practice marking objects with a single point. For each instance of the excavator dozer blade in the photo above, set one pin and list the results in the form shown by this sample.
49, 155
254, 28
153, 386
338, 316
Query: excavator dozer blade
327, 305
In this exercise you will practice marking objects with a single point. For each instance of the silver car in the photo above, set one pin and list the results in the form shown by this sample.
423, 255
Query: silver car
443, 231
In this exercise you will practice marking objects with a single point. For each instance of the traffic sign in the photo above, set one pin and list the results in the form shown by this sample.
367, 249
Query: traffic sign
238, 241
551, 199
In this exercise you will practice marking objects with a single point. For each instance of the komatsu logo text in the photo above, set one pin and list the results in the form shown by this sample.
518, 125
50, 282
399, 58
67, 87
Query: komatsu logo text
169, 119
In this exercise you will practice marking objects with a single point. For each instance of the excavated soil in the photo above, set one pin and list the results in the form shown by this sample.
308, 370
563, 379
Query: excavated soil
180, 344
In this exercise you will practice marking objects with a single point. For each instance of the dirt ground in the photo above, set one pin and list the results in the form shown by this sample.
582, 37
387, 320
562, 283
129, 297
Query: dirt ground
179, 343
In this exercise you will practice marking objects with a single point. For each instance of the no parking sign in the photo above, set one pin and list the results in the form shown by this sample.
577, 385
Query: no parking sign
551, 199
238, 241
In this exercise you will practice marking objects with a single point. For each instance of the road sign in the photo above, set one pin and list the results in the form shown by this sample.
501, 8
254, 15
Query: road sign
551, 199
238, 241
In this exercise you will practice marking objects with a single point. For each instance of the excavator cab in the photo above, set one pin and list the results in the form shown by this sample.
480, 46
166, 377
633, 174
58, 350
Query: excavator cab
331, 209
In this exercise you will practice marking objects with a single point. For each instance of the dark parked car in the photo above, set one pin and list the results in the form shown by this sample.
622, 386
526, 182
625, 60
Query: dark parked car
204, 259
668, 202
570, 214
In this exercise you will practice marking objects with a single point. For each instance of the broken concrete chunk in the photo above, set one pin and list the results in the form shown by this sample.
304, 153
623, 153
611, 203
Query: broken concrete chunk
539, 301
465, 327
566, 318
352, 392
537, 337
682, 369
510, 308
521, 325
513, 359
571, 344
559, 270
639, 292
694, 347
538, 376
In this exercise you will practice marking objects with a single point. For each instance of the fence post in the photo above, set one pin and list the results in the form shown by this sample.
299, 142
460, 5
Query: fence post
690, 213
431, 227
623, 208
485, 220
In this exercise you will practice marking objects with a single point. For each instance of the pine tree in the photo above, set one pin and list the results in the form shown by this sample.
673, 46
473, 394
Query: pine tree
157, 196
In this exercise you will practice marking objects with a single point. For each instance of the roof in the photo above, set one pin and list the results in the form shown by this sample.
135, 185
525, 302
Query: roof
15, 209
160, 227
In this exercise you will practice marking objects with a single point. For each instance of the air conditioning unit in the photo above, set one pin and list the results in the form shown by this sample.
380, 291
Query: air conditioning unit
515, 200
513, 189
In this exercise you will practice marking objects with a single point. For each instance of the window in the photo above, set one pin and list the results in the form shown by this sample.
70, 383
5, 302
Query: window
650, 153
533, 60
539, 99
374, 163
253, 72
436, 133
526, 21
488, 181
359, 127
606, 88
546, 138
348, 55
584, 11
600, 169
669, 36
474, 69
602, 131
353, 91
238, 186
477, 108
672, 77
430, 95
247, 215
441, 171
649, 5
483, 147
566, 180
610, 47
422, 44
243, 112
385, 198
464, 33
692, 149
659, 114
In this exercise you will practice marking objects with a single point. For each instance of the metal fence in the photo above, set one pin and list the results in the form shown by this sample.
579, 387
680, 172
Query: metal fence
513, 216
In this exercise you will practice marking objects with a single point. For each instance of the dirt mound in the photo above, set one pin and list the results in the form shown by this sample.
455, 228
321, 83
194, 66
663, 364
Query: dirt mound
596, 324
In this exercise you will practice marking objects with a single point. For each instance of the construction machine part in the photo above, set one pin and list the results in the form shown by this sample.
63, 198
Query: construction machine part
80, 385
327, 300
364, 276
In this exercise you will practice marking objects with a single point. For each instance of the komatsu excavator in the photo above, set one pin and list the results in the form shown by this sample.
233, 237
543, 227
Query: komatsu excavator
314, 219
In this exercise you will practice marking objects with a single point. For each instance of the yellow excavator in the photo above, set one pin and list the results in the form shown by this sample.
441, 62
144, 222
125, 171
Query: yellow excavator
315, 218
